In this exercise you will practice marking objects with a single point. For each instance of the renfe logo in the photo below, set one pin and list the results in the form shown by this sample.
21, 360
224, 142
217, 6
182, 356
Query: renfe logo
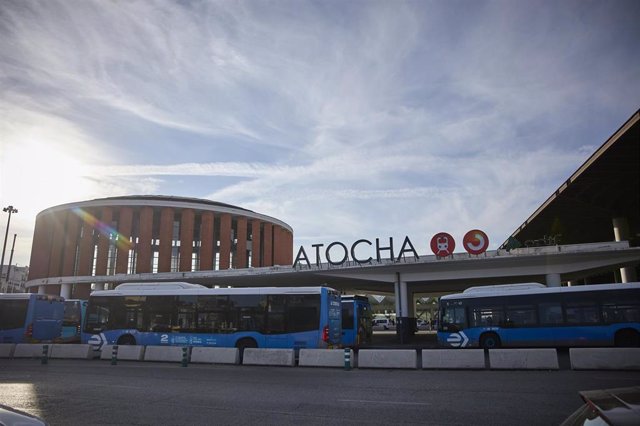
458, 340
442, 244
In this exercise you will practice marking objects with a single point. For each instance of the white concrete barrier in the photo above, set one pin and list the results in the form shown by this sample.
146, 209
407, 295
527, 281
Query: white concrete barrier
31, 350
388, 358
323, 358
72, 351
453, 359
605, 358
275, 357
210, 355
7, 349
125, 352
163, 353
523, 359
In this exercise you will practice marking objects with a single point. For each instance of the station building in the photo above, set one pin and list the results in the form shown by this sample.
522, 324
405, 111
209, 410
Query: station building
133, 235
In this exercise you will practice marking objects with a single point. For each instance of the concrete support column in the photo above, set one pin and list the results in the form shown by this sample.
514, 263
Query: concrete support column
621, 233
553, 280
123, 245
166, 240
65, 291
255, 243
225, 241
41, 289
240, 259
403, 323
145, 235
187, 223
207, 254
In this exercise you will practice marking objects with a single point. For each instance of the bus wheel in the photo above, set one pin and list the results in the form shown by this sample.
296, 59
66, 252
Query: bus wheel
126, 339
627, 338
489, 341
243, 344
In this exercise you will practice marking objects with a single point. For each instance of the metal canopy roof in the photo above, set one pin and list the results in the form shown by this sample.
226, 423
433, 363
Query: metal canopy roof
606, 186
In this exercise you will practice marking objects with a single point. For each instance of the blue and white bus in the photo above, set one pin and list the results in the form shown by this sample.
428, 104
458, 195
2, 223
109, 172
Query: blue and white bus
532, 315
185, 314
74, 312
356, 321
30, 318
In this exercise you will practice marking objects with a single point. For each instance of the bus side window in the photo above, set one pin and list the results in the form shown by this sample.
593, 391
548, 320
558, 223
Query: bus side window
550, 313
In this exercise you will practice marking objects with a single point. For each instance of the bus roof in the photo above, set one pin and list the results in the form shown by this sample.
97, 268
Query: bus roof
157, 286
159, 290
511, 290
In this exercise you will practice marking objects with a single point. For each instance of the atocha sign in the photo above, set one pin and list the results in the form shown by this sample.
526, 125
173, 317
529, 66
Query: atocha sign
442, 244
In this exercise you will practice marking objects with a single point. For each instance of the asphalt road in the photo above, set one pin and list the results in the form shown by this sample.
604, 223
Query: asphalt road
67, 392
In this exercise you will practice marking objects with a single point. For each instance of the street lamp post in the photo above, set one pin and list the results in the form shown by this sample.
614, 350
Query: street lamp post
10, 260
8, 209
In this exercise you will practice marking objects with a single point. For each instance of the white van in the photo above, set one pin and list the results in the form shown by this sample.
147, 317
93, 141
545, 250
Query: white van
382, 323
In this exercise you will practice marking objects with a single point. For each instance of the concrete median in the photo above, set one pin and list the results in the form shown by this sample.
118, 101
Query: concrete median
463, 359
273, 357
324, 358
388, 358
7, 349
125, 352
605, 358
31, 350
164, 353
523, 359
67, 351
208, 355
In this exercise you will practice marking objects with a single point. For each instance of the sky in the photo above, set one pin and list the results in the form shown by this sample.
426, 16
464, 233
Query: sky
344, 119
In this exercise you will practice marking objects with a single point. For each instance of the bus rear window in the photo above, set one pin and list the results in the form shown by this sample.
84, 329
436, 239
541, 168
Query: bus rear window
13, 313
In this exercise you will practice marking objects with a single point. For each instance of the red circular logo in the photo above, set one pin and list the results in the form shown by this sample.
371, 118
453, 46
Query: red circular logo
443, 244
475, 242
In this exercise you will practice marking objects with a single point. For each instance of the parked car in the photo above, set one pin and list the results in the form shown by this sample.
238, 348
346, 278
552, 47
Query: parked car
614, 407
382, 323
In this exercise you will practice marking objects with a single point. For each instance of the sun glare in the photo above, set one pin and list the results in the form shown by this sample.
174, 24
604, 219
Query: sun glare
38, 175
